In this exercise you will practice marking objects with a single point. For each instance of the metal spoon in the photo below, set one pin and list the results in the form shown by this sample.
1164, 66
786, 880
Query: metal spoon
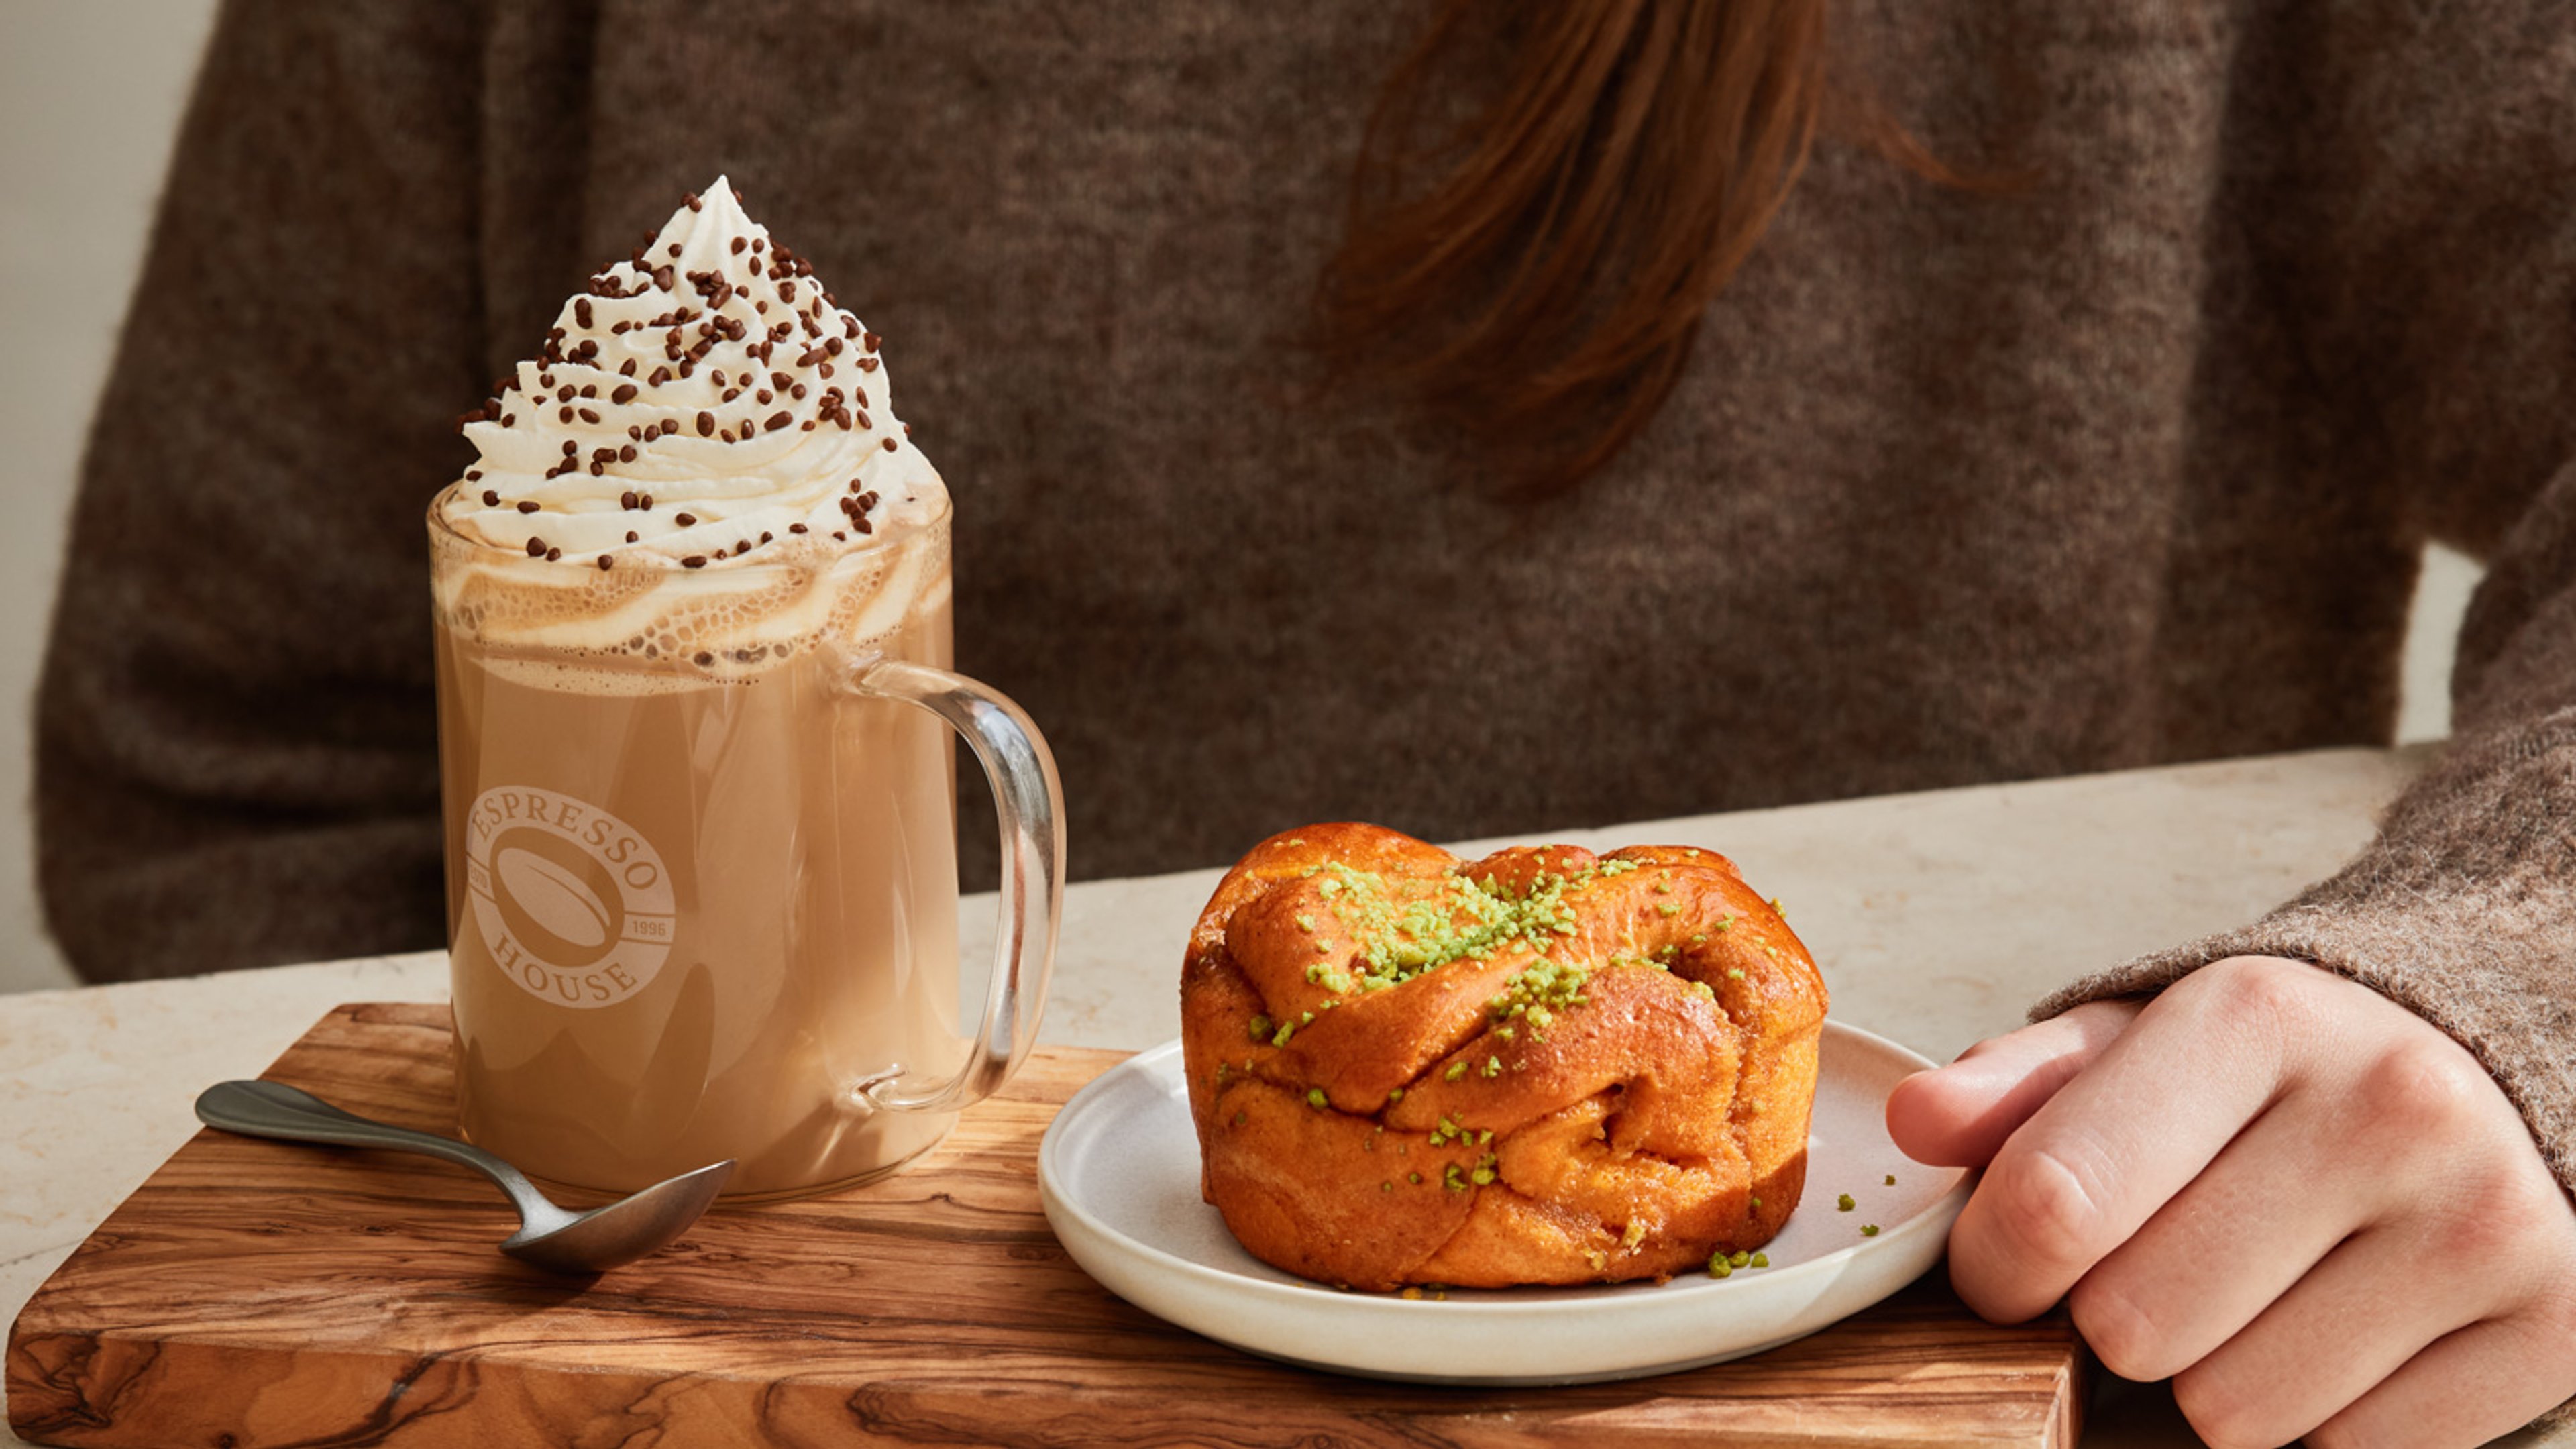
552, 1238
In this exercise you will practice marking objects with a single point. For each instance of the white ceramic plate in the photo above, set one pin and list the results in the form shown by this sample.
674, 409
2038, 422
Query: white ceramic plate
1119, 1173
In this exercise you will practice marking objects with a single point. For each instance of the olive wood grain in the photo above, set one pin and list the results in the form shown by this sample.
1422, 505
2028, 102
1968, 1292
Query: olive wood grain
254, 1294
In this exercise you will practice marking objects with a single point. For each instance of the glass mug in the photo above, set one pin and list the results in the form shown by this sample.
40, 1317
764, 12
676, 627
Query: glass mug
701, 862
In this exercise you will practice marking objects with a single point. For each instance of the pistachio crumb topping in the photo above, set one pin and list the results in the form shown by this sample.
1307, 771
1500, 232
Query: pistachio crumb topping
1315, 1098
1540, 992
1456, 1070
1399, 939
1262, 1026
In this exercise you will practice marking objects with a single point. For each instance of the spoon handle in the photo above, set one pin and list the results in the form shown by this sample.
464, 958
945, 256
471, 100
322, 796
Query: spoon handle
273, 1109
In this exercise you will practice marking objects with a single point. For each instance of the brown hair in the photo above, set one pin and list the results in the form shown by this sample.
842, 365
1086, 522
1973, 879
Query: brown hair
1542, 292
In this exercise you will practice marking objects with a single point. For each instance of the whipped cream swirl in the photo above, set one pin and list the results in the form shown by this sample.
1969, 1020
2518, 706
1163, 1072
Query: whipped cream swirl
703, 403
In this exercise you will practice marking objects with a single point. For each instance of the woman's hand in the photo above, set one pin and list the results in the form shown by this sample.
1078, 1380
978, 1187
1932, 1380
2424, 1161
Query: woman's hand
2311, 1209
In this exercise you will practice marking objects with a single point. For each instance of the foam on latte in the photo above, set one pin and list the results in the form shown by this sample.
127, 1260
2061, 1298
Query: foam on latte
701, 462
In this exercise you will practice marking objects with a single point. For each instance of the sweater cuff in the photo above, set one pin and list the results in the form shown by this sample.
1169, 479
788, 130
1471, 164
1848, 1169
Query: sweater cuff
2463, 911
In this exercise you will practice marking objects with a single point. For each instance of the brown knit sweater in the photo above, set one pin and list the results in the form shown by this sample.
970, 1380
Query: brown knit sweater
2131, 465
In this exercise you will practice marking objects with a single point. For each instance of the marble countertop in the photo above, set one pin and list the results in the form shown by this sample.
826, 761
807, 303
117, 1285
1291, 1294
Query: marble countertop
1937, 918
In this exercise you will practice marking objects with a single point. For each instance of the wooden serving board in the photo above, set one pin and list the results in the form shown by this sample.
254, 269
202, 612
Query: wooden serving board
256, 1294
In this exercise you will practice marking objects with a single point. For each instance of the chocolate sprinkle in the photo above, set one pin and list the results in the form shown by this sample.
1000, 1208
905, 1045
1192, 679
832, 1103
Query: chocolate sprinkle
706, 424
625, 393
604, 563
527, 505
694, 561
536, 548
491, 499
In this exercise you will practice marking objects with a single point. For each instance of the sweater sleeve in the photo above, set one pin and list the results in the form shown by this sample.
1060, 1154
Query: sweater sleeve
235, 742
2435, 234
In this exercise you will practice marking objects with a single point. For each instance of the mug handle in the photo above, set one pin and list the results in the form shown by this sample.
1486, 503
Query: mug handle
1029, 801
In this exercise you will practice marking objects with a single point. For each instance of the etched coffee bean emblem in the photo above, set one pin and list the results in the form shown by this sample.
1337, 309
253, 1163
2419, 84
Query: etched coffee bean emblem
573, 903
556, 898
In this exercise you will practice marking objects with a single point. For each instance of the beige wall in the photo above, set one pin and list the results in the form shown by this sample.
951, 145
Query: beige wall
90, 92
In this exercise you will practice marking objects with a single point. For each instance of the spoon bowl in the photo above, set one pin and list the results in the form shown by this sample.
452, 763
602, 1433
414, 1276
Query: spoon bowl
550, 1237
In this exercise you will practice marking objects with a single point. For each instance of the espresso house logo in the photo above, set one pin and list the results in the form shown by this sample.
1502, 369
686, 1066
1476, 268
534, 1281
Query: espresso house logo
573, 904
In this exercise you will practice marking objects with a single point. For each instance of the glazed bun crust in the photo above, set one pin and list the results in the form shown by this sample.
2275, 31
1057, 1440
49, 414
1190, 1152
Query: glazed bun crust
1543, 1067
